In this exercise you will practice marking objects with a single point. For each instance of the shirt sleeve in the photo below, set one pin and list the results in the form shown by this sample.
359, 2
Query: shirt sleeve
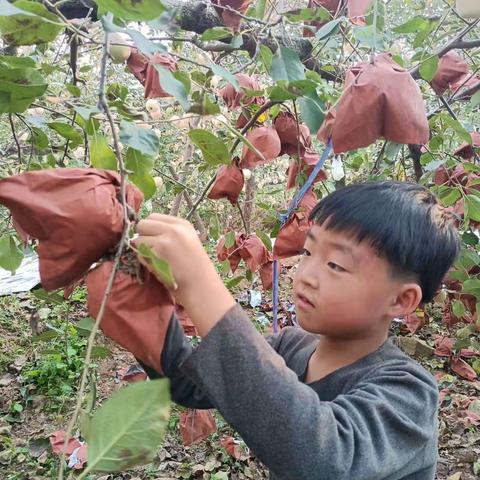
370, 433
177, 348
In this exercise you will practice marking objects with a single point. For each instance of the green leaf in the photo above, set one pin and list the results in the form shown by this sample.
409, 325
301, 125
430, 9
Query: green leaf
229, 239
215, 33
368, 36
114, 445
429, 68
457, 127
86, 111
39, 139
173, 86
144, 44
85, 326
100, 351
183, 77
225, 267
279, 92
381, 13
145, 182
259, 10
468, 259
203, 104
469, 238
68, 132
412, 26
161, 267
448, 195
475, 100
286, 65
265, 240
237, 41
50, 298
101, 155
458, 308
137, 162
141, 139
27, 29
45, 336
10, 255
73, 89
19, 85
392, 149
308, 14
266, 56
214, 229
312, 111
133, 9
225, 74
214, 150
423, 34
472, 207
472, 287
329, 28
233, 282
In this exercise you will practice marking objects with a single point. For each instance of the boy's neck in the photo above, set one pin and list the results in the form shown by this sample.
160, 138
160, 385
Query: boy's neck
333, 353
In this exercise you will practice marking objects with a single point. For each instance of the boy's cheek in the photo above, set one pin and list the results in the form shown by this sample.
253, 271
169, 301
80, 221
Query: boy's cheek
333, 318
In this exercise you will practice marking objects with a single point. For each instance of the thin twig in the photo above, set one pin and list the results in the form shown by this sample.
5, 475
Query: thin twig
239, 208
102, 103
251, 122
447, 106
32, 148
173, 180
374, 43
457, 42
19, 148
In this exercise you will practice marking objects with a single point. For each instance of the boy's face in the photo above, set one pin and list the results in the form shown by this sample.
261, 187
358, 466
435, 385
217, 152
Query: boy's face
343, 288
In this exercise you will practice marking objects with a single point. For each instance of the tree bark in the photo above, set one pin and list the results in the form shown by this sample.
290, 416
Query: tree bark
187, 155
249, 201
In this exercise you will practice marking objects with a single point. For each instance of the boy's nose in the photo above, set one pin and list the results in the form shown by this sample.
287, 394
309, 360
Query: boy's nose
309, 276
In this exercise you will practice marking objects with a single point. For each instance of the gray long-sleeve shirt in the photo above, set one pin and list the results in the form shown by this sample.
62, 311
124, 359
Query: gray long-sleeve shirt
374, 419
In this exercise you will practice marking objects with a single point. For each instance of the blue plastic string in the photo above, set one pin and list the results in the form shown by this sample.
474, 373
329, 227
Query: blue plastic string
284, 218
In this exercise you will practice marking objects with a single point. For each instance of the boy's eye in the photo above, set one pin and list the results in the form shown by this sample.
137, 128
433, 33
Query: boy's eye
305, 253
335, 267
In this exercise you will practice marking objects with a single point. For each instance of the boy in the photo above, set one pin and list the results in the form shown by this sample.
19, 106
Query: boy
334, 399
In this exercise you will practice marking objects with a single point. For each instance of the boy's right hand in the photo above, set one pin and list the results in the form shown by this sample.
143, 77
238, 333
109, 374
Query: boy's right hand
200, 290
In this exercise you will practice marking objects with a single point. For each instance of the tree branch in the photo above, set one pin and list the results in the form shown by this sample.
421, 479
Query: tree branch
103, 105
19, 148
456, 43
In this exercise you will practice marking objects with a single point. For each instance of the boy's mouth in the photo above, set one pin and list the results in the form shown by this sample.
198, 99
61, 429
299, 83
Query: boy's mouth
303, 302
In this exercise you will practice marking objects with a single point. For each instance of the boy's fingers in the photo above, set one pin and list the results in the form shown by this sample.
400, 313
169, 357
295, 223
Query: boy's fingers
160, 217
149, 241
152, 227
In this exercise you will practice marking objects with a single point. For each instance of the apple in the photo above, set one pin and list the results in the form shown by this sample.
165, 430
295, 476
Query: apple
118, 48
158, 182
247, 174
151, 105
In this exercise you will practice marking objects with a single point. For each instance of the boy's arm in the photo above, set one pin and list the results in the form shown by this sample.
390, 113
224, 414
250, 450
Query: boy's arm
176, 350
368, 434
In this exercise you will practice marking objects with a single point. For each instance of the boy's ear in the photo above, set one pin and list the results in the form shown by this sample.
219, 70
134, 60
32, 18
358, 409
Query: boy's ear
407, 300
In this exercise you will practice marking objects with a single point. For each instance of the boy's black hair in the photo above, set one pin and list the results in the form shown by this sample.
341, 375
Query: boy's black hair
402, 221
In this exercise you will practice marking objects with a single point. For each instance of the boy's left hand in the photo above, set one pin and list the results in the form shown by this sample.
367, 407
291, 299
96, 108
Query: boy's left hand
176, 241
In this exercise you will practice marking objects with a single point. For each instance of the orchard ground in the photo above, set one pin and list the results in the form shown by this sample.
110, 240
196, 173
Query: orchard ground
39, 372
